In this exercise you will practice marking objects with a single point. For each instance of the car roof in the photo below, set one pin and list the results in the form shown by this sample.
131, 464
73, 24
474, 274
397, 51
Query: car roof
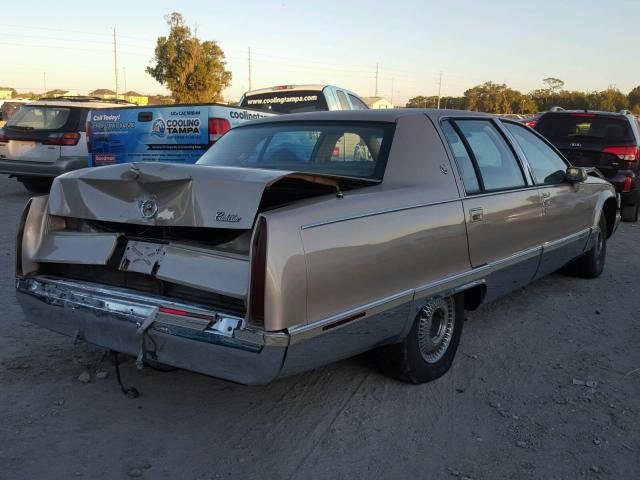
288, 88
591, 112
373, 115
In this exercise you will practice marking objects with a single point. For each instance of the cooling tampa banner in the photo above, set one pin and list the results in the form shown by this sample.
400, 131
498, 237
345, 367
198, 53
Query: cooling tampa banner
161, 134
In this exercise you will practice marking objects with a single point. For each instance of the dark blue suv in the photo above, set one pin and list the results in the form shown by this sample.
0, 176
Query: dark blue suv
607, 141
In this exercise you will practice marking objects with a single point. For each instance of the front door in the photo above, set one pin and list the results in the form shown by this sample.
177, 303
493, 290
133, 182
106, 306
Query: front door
566, 207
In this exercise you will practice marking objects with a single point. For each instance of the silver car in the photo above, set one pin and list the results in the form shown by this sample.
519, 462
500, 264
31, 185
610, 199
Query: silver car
273, 256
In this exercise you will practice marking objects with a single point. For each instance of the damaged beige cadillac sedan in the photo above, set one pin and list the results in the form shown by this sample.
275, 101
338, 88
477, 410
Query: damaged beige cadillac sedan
304, 239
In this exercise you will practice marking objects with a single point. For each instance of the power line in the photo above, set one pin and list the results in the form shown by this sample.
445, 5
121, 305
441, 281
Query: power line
376, 94
250, 88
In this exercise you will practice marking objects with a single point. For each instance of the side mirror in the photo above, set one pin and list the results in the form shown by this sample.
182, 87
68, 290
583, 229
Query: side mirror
576, 175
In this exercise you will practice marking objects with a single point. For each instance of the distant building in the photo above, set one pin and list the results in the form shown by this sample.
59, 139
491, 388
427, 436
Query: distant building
104, 93
135, 97
6, 93
377, 102
60, 93
160, 100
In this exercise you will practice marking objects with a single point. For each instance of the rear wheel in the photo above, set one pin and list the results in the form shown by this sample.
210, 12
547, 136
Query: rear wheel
428, 350
591, 264
629, 213
37, 185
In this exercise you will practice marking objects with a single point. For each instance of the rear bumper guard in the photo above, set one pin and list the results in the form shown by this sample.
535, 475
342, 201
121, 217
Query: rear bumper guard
170, 332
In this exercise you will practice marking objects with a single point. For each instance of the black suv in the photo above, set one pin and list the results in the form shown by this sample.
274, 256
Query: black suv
605, 140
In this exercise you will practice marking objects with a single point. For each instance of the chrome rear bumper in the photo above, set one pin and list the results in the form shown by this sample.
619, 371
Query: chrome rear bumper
208, 342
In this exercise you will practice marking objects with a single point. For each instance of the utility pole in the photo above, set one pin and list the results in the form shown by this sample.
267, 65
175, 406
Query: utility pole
439, 89
250, 69
115, 59
376, 94
392, 80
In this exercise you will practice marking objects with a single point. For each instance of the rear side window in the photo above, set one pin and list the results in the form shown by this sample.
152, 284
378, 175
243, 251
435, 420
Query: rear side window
357, 103
584, 128
548, 167
463, 160
39, 118
499, 169
342, 98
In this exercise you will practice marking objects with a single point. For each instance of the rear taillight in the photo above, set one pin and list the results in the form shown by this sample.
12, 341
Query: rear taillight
64, 139
3, 137
258, 273
627, 185
217, 128
530, 123
582, 115
628, 154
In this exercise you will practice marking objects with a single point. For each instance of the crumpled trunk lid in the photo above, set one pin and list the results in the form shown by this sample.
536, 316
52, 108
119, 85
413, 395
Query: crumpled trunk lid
157, 194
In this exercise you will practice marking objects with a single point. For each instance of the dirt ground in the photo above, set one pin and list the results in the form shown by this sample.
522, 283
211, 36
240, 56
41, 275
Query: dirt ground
546, 385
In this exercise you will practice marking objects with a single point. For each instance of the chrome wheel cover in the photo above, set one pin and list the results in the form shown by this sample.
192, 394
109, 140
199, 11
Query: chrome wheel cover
435, 328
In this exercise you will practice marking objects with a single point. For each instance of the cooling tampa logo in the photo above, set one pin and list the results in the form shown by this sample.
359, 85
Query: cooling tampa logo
158, 128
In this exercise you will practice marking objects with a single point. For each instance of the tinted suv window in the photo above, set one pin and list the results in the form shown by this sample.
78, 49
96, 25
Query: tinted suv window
498, 166
465, 164
357, 103
342, 98
283, 101
584, 128
548, 167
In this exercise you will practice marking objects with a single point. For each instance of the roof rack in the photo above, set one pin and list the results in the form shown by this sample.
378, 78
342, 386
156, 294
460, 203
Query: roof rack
86, 98
624, 111
556, 109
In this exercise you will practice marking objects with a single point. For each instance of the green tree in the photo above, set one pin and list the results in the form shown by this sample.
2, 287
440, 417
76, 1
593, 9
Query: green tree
634, 98
495, 98
192, 70
611, 100
553, 84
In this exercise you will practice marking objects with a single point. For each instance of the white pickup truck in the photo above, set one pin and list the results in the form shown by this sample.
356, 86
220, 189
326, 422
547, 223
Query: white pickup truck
182, 133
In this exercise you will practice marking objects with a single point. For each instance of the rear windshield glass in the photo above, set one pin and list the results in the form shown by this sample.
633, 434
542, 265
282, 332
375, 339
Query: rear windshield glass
331, 148
39, 118
584, 128
287, 101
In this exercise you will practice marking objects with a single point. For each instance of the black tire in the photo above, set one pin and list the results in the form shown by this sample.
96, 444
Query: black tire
591, 264
629, 213
417, 359
37, 185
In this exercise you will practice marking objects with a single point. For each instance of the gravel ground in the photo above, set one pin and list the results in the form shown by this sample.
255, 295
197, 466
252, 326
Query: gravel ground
546, 385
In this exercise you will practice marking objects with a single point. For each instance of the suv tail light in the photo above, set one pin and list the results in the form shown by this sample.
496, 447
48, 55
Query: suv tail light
530, 123
628, 154
3, 137
627, 185
217, 128
258, 273
64, 139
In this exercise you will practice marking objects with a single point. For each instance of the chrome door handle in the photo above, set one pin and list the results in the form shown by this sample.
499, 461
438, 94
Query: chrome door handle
476, 214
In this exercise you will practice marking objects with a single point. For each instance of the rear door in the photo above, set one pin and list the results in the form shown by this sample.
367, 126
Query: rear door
503, 210
567, 208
